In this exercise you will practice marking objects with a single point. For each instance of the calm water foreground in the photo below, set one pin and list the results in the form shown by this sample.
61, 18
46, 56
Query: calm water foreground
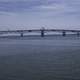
40, 59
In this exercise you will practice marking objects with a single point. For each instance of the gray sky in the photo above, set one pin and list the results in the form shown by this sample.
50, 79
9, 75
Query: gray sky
27, 14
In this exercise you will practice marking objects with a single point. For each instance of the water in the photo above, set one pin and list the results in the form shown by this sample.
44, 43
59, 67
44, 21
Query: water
35, 58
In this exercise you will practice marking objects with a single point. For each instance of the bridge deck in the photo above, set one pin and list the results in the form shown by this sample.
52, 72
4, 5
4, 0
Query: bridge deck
41, 31
38, 30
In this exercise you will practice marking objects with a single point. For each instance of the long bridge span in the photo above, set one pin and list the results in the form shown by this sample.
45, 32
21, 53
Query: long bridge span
41, 31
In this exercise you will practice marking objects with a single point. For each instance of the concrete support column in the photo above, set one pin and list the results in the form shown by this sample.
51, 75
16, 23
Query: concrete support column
42, 33
21, 35
78, 34
63, 33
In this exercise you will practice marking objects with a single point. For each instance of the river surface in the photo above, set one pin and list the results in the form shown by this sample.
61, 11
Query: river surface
46, 58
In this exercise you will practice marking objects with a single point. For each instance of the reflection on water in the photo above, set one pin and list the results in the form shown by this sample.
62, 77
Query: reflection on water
40, 59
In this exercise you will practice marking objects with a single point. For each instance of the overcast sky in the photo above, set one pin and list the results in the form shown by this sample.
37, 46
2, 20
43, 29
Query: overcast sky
27, 14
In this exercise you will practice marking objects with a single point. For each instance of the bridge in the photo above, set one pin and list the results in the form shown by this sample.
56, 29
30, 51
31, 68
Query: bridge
41, 31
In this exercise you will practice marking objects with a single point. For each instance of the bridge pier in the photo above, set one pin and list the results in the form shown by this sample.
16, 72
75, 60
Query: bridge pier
42, 33
78, 34
21, 35
63, 33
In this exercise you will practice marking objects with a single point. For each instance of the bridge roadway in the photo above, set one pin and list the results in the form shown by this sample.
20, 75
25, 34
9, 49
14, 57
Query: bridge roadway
41, 31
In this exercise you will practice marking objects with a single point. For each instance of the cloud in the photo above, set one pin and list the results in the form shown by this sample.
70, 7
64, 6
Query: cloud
17, 6
26, 5
40, 12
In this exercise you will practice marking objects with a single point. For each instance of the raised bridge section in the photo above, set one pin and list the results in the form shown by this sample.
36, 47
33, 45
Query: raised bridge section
41, 31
